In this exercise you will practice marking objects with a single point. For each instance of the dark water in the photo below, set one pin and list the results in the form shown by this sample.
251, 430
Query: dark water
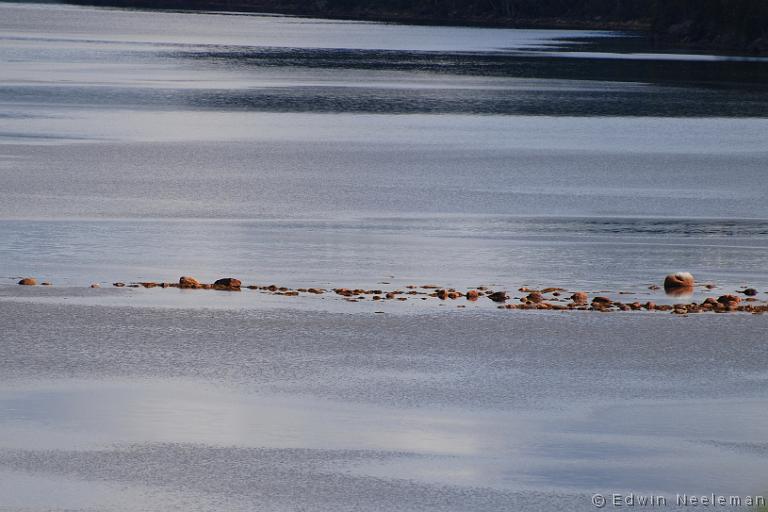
144, 146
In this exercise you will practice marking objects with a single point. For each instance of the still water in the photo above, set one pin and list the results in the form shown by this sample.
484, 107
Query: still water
144, 146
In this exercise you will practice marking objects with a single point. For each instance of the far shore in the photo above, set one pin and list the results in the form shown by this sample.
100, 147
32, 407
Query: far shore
683, 35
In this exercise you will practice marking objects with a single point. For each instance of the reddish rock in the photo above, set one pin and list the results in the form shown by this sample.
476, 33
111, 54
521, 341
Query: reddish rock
28, 281
441, 294
473, 295
580, 297
729, 301
534, 297
188, 282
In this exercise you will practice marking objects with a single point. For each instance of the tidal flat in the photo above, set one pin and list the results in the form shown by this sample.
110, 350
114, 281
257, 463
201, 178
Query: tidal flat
144, 408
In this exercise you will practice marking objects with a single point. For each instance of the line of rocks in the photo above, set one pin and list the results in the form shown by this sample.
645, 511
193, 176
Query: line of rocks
544, 299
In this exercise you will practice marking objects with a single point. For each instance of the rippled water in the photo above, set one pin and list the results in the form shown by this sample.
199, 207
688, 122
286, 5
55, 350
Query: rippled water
144, 146
125, 408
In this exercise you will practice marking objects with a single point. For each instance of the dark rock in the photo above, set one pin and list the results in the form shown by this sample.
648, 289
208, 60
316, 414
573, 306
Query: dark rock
228, 283
498, 296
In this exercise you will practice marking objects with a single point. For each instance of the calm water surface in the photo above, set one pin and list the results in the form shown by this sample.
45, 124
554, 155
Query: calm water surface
277, 148
143, 146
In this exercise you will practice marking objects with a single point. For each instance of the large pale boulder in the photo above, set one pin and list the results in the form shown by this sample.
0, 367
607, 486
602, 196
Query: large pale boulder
678, 280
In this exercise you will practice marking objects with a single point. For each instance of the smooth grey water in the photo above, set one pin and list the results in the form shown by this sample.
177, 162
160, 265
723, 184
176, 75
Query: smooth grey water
143, 146
339, 150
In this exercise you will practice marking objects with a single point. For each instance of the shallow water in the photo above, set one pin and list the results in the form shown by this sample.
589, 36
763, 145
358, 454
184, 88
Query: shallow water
142, 146
191, 409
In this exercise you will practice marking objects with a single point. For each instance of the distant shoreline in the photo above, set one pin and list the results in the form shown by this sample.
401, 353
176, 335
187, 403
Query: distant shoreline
681, 34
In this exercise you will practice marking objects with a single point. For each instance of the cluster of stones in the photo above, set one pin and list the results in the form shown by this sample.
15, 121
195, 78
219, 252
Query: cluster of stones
186, 282
545, 299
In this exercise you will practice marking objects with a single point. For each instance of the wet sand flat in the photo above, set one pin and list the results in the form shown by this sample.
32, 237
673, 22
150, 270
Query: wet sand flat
139, 408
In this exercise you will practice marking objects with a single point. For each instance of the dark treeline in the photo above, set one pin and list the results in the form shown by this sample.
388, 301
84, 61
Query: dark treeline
725, 24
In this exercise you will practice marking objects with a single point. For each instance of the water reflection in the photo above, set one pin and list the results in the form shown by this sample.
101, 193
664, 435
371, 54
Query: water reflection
543, 449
